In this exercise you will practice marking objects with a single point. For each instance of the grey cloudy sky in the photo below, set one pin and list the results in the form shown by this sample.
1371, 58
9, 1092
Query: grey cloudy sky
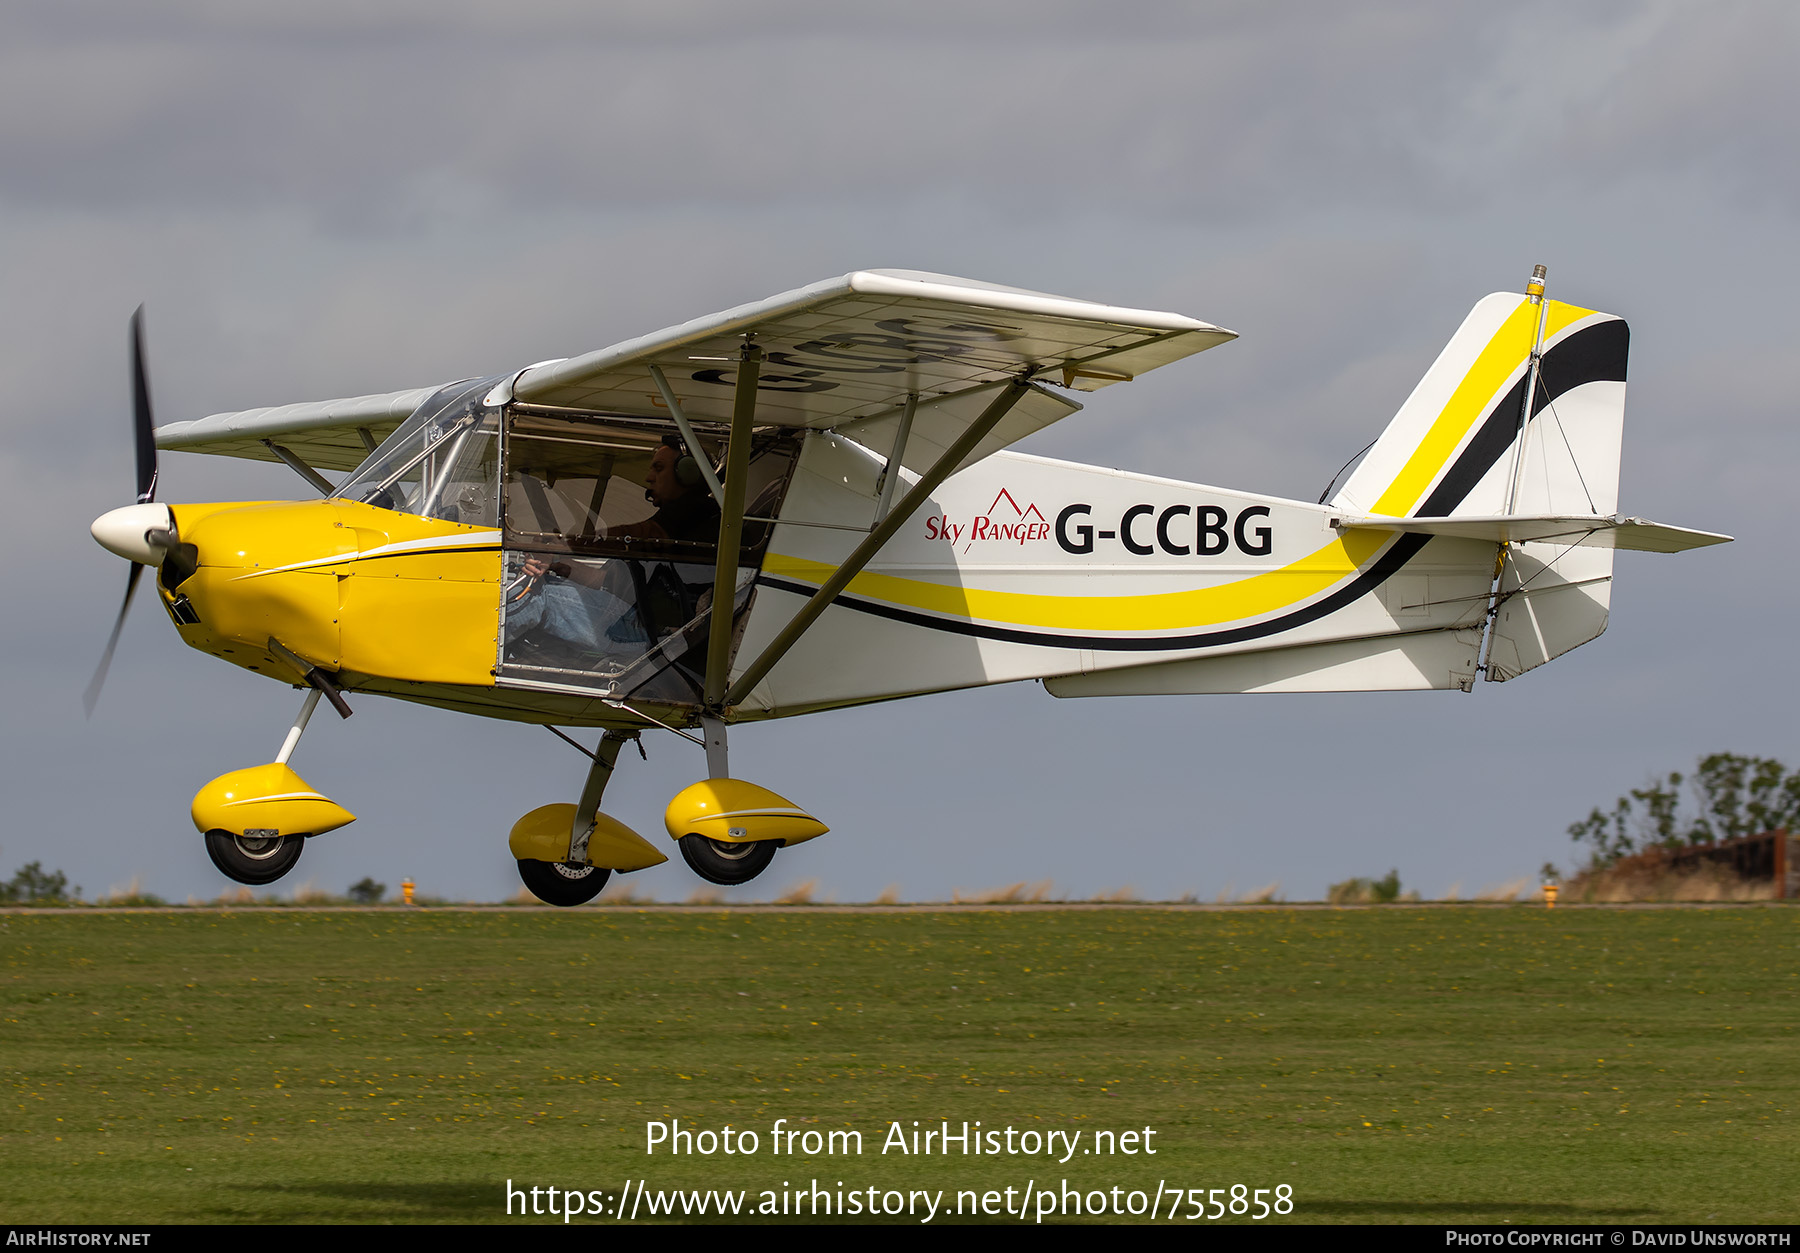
336, 198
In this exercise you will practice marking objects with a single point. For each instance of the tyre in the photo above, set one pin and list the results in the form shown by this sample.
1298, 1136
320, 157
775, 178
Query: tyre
726, 864
563, 883
255, 860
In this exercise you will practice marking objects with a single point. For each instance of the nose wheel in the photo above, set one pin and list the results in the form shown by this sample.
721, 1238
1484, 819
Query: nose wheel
256, 821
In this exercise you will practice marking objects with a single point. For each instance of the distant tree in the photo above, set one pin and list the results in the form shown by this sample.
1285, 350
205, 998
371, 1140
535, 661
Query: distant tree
367, 891
32, 885
1383, 891
1727, 796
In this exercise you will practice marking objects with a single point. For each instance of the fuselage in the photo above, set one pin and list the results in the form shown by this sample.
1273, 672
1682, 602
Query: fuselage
1019, 567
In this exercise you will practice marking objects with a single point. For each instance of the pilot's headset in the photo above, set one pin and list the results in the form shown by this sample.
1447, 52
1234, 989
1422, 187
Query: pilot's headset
687, 470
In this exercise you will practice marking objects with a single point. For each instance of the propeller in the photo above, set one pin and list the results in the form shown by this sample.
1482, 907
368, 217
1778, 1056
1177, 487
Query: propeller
133, 532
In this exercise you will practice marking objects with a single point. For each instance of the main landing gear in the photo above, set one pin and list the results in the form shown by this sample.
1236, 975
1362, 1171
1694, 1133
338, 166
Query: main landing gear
727, 829
566, 853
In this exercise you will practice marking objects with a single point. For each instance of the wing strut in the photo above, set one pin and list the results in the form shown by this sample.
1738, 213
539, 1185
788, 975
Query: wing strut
896, 454
301, 468
909, 504
687, 434
731, 524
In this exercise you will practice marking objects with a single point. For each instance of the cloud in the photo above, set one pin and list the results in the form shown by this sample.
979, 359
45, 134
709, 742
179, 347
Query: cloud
378, 121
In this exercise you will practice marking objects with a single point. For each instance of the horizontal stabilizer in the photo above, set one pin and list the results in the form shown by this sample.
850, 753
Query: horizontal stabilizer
1397, 663
1580, 530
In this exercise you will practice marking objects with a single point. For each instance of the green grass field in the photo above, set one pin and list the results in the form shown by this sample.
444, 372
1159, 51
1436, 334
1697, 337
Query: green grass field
1436, 1064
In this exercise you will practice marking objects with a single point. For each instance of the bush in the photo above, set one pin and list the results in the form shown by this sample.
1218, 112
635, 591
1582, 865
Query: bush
1383, 891
367, 891
1727, 796
33, 886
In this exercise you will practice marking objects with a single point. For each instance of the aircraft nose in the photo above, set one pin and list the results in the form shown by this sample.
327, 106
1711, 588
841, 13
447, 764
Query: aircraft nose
140, 533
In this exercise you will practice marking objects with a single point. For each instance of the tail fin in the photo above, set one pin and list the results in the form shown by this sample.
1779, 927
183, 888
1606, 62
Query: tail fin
1456, 448
1459, 447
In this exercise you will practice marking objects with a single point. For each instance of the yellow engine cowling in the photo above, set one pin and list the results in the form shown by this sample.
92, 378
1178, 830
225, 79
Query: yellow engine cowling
733, 811
543, 835
266, 800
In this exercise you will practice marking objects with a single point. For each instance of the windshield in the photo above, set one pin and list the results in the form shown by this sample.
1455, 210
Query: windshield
443, 462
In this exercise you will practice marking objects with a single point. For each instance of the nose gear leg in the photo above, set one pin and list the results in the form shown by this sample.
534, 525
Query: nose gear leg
299, 728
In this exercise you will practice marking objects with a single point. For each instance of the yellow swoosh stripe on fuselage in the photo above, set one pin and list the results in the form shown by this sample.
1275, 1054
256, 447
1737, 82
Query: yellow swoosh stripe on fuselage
1509, 348
1162, 611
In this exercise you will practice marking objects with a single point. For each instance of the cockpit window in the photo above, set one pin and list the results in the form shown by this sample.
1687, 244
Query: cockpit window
443, 462
609, 542
629, 486
571, 482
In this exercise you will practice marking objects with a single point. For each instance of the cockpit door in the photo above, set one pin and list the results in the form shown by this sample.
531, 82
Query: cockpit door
608, 554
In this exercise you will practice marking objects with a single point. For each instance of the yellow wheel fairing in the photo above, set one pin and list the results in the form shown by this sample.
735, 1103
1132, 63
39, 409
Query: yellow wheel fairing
734, 811
266, 800
543, 835
617, 847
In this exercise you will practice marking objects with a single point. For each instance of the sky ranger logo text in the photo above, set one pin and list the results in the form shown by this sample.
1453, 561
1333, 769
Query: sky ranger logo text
1012, 524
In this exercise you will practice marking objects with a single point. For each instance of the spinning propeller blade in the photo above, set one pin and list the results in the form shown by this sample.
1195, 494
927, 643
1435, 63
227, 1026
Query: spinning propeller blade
91, 697
143, 429
142, 425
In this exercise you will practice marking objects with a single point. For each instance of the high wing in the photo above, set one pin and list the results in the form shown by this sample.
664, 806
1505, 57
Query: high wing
329, 434
845, 353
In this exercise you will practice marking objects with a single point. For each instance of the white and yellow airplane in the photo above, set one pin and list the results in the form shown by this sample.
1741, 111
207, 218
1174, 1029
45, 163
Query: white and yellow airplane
548, 546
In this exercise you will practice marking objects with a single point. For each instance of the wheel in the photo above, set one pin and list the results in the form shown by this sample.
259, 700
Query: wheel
728, 864
563, 882
253, 859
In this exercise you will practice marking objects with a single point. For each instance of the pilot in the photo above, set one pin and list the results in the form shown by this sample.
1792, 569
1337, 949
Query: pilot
578, 605
685, 509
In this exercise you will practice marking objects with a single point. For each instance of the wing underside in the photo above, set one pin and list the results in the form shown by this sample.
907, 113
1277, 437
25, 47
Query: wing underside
848, 353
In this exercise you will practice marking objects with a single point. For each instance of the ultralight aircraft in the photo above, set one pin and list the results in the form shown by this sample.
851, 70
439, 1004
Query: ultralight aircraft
807, 503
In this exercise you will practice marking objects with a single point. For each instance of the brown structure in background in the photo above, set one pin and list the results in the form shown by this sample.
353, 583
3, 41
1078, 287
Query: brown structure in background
1772, 856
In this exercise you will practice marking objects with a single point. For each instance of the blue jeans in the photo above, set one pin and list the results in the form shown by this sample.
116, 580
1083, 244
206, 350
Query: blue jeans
589, 617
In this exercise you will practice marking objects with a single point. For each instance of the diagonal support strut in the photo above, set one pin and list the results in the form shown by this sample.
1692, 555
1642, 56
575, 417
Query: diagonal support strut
852, 565
688, 437
600, 773
731, 525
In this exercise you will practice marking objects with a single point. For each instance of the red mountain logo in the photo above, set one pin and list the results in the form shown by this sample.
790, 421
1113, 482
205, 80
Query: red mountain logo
1014, 524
